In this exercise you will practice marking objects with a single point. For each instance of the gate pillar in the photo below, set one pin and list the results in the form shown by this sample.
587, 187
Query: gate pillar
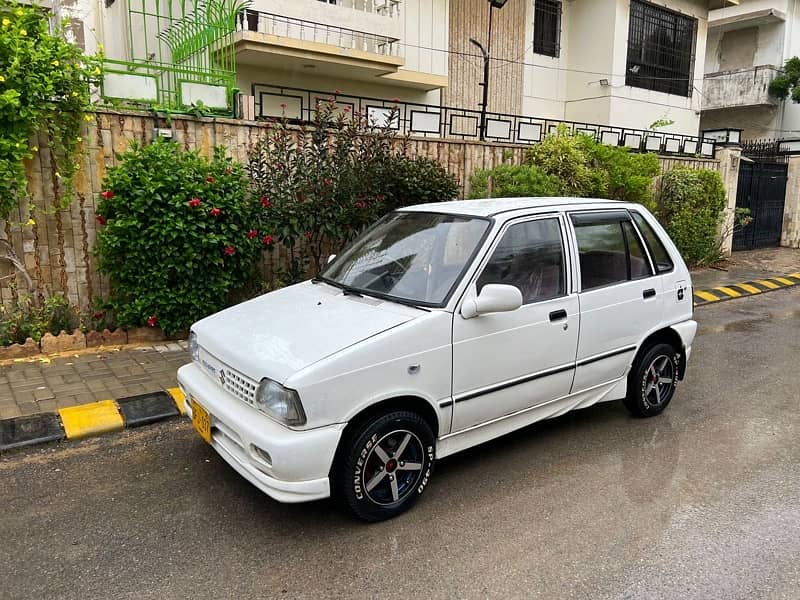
790, 235
729, 158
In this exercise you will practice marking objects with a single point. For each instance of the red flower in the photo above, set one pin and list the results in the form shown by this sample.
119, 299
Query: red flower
283, 105
98, 315
395, 99
252, 234
265, 202
215, 212
328, 182
229, 250
195, 202
107, 195
308, 235
337, 91
152, 320
228, 170
347, 109
210, 179
101, 219
361, 204
267, 240
380, 197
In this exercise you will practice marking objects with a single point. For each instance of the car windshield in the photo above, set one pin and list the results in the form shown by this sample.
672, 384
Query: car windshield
415, 257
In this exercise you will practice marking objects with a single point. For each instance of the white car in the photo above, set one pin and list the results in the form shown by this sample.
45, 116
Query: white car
441, 327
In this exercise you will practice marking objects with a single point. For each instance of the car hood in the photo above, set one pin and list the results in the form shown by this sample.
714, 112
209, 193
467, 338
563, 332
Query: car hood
283, 332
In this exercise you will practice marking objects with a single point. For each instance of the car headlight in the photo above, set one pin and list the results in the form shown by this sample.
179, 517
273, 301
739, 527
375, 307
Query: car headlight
280, 403
194, 347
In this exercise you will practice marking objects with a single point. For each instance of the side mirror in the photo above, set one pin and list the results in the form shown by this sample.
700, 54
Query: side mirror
494, 297
330, 258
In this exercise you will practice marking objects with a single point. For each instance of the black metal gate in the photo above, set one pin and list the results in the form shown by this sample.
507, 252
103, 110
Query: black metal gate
762, 189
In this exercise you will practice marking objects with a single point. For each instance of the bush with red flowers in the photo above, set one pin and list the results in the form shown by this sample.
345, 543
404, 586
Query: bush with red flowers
176, 235
319, 185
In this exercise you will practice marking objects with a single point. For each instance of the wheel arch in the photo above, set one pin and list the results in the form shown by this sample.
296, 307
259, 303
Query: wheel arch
412, 403
666, 335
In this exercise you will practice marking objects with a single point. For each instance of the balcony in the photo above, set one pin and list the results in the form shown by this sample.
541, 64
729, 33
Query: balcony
740, 88
749, 14
284, 42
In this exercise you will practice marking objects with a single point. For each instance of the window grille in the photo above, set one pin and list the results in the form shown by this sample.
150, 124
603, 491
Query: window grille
547, 27
661, 48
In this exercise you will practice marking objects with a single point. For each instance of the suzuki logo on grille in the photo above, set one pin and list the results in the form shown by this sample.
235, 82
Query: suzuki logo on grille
222, 377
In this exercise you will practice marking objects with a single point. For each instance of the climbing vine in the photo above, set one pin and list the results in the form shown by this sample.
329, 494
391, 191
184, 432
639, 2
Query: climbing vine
44, 88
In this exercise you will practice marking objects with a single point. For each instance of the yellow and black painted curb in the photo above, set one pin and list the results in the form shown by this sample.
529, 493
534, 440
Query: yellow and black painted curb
747, 288
95, 418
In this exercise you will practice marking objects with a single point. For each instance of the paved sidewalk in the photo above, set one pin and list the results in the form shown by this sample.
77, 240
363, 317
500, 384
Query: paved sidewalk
37, 385
749, 265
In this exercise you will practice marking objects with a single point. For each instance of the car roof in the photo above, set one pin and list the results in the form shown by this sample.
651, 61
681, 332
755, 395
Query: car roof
493, 206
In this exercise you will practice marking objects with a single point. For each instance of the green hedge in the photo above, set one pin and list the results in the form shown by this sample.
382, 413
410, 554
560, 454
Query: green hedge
691, 205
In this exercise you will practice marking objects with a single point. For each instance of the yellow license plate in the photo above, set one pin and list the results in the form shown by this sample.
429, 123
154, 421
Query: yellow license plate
201, 421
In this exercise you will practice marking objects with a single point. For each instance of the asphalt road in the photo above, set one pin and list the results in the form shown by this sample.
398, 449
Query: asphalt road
700, 502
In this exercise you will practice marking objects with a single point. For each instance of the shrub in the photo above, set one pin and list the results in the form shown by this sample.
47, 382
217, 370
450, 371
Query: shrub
788, 83
177, 234
691, 205
44, 87
566, 156
27, 320
319, 185
509, 181
587, 168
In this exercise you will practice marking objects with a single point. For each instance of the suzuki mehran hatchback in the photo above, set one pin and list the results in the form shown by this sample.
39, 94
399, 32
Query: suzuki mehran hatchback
441, 327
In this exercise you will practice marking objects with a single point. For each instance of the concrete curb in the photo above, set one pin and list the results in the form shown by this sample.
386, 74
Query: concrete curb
747, 288
94, 418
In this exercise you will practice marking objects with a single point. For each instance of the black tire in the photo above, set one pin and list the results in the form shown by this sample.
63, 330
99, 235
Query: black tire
371, 477
652, 381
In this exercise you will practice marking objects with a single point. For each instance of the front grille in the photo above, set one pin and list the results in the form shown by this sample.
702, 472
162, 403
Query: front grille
239, 385
231, 380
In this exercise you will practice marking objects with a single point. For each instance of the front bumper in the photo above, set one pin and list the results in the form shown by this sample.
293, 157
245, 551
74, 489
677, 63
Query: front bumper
287, 465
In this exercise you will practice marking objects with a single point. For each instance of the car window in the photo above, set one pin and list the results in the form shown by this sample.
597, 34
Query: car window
530, 256
640, 265
601, 248
657, 250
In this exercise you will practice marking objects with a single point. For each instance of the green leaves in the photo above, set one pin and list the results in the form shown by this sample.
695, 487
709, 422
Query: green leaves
690, 206
318, 186
164, 254
44, 87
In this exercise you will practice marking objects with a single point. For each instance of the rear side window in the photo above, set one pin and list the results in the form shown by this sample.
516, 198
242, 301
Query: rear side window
640, 266
601, 248
609, 249
657, 250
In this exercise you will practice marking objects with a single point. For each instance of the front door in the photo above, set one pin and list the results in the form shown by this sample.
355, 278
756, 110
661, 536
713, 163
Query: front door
509, 361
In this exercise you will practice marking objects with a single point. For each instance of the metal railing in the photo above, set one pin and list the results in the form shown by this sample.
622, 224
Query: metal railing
388, 8
267, 23
434, 121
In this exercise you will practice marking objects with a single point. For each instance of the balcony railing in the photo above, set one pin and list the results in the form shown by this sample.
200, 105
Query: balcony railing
388, 8
434, 121
739, 88
309, 31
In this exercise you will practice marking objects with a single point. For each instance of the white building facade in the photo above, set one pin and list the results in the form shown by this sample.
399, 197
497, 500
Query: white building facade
747, 47
626, 63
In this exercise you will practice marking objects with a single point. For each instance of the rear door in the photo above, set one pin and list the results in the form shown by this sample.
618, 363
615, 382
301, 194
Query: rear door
620, 298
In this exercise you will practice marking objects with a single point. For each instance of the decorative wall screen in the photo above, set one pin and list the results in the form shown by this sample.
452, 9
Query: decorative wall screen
186, 46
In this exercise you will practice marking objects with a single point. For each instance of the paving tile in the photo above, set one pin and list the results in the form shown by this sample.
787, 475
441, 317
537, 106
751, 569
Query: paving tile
9, 412
44, 393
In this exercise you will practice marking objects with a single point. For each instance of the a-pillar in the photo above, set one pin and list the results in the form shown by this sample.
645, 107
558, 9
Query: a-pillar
729, 158
790, 235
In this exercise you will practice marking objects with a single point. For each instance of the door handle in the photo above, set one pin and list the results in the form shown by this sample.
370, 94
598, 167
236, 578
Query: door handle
649, 293
557, 315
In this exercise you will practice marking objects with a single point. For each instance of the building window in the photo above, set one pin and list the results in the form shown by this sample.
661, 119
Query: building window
661, 46
547, 27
